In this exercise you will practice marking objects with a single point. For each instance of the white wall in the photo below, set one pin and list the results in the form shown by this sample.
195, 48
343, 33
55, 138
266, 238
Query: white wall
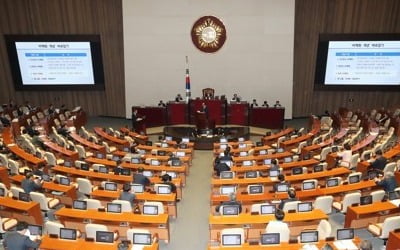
255, 62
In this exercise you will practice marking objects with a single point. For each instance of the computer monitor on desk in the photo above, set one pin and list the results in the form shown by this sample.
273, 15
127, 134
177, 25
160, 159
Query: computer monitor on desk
114, 208
267, 209
67, 234
231, 239
226, 190
308, 185
309, 237
304, 207
270, 239
79, 204
104, 237
282, 187
24, 197
150, 209
141, 239
35, 230
230, 210
226, 175
110, 186
267, 161
137, 188
332, 182
345, 234
65, 181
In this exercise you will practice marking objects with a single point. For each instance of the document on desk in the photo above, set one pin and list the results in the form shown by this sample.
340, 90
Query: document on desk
345, 245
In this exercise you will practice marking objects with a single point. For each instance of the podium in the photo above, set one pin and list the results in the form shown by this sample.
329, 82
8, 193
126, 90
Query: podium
202, 122
216, 110
155, 116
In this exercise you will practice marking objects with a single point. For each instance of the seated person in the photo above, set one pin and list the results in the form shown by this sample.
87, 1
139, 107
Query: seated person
161, 104
39, 170
292, 197
118, 168
126, 194
17, 240
388, 182
379, 162
232, 201
30, 184
274, 165
220, 167
277, 104
167, 179
265, 104
281, 180
235, 98
277, 225
178, 98
345, 154
254, 103
63, 130
5, 121
139, 178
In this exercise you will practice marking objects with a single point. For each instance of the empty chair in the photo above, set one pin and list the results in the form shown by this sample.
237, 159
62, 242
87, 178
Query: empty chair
125, 205
158, 187
57, 177
382, 230
15, 191
159, 205
4, 160
364, 155
82, 152
6, 192
130, 232
93, 204
353, 162
390, 167
348, 200
280, 139
85, 186
256, 208
291, 205
13, 166
234, 231
324, 203
45, 203
52, 227
85, 134
377, 195
326, 123
324, 152
52, 160
96, 167
298, 149
109, 149
324, 229
279, 227
7, 224
91, 230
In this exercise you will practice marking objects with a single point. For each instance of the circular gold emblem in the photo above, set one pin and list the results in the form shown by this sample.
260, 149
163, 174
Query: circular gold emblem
208, 34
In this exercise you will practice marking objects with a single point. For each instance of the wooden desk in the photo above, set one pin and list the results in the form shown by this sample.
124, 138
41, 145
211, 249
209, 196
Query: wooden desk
268, 140
141, 138
255, 224
377, 212
67, 154
284, 166
149, 149
157, 224
20, 210
316, 147
120, 143
93, 146
177, 113
267, 117
26, 156
69, 192
4, 176
260, 158
238, 113
169, 200
393, 240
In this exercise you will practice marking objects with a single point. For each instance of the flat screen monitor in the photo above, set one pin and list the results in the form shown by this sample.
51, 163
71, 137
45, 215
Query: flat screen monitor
309, 237
308, 185
115, 158
180, 153
354, 179
256, 189
2, 192
251, 174
259, 144
268, 133
168, 138
164, 145
114, 208
230, 210
345, 234
163, 189
223, 146
79, 204
366, 200
274, 173
318, 168
280, 150
304, 207
161, 153
267, 209
242, 145
99, 156
24, 197
243, 153
125, 171
155, 162
296, 171
110, 186
287, 159
185, 140
35, 230
226, 175
150, 210
333, 182
176, 163
226, 190
267, 161
183, 145
306, 157
270, 239
282, 187
46, 177
223, 140
149, 143
247, 163
126, 149
173, 175
135, 160
356, 62
229, 163
104, 236
67, 234
393, 195
103, 169
262, 152
85, 166
137, 188
141, 239
56, 62
147, 173
241, 139
372, 174
65, 181
38, 154
67, 164
231, 239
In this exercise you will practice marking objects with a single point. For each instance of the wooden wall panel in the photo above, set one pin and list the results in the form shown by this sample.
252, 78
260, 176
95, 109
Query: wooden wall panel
103, 17
313, 17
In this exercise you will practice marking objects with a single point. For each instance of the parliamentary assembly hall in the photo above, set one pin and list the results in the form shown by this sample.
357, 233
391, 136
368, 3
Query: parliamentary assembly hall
199, 125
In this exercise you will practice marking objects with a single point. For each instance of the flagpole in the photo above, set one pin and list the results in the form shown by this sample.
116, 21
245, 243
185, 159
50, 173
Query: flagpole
187, 87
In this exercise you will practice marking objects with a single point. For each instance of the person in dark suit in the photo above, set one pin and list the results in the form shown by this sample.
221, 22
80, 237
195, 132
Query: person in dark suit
274, 165
167, 179
380, 161
30, 184
17, 240
292, 197
204, 109
277, 104
161, 104
5, 121
265, 104
221, 166
232, 201
139, 178
178, 98
254, 103
388, 182
126, 194
281, 180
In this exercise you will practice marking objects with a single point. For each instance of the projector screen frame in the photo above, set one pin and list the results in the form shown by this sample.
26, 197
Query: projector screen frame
322, 54
96, 57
